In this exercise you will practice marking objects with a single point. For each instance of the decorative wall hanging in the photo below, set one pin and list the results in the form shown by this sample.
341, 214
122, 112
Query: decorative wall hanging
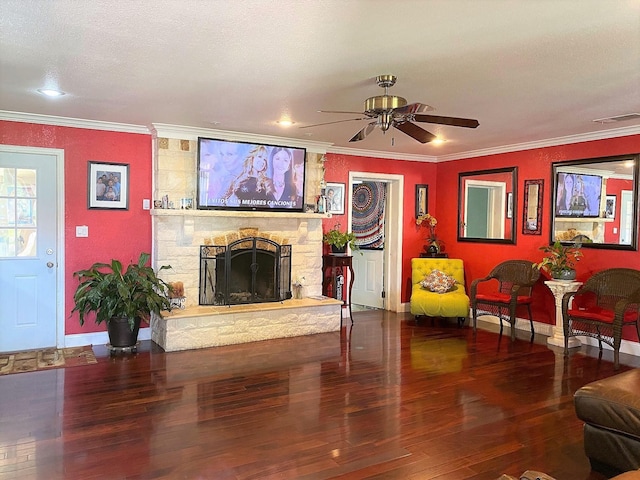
422, 199
368, 213
532, 212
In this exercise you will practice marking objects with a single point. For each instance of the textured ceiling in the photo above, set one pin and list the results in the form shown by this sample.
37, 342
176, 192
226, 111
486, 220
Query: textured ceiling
529, 71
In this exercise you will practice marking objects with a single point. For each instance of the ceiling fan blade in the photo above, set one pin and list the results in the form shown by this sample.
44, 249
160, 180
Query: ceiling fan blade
362, 134
415, 132
336, 121
413, 108
454, 121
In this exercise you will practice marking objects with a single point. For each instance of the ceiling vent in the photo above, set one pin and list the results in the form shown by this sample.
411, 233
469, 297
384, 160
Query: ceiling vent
619, 118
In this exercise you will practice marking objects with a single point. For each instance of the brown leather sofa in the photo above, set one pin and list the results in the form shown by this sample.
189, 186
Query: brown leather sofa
533, 475
610, 409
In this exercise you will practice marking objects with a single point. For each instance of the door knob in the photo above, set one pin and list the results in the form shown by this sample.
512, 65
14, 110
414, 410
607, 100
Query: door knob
50, 264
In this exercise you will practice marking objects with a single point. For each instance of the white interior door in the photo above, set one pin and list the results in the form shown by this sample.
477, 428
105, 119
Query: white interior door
28, 249
368, 270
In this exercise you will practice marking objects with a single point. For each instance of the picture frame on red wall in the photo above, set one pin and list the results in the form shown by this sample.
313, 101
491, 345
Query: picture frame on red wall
108, 186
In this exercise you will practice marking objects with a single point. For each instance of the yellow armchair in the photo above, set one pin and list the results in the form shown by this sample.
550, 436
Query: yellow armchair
454, 303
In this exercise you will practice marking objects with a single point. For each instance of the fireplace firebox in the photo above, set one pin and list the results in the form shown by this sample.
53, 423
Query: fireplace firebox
249, 270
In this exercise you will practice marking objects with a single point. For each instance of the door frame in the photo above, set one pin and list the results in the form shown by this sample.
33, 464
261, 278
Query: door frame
392, 256
58, 153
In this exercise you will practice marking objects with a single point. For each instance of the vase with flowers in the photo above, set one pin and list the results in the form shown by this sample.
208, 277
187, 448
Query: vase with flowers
433, 245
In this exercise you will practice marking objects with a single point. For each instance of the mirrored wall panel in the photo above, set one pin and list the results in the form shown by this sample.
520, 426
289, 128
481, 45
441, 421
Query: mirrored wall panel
487, 205
595, 202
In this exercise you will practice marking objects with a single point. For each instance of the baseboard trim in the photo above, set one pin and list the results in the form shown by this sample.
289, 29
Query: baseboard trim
98, 338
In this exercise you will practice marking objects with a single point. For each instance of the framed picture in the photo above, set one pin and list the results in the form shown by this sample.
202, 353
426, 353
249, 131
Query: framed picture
335, 198
510, 205
108, 185
610, 207
422, 199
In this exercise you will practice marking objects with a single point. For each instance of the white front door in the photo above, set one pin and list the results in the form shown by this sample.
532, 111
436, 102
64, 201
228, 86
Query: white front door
28, 249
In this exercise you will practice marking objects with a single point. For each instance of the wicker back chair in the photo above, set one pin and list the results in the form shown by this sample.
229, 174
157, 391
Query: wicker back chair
607, 302
516, 279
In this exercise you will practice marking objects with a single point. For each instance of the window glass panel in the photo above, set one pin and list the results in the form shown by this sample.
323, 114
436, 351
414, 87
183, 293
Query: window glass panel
26, 182
26, 212
7, 212
26, 242
7, 242
7, 181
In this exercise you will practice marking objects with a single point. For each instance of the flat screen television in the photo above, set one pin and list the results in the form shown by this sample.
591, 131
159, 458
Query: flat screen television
250, 176
578, 195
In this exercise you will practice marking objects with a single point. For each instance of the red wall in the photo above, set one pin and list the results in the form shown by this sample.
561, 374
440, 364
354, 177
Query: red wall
112, 233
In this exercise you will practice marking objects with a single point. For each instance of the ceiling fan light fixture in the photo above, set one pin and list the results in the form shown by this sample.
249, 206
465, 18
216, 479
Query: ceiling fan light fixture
383, 104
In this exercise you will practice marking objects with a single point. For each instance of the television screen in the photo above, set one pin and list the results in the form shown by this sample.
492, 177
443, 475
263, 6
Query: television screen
250, 176
578, 195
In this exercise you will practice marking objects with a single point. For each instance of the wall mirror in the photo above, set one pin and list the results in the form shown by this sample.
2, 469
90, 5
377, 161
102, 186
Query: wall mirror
532, 211
486, 205
595, 202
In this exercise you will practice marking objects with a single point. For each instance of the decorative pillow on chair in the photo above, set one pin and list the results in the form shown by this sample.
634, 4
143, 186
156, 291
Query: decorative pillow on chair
438, 281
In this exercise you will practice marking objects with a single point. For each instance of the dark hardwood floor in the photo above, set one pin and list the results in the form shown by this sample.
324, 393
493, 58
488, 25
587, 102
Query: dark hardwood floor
388, 398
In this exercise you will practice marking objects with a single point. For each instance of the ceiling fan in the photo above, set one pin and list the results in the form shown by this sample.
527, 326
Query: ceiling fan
391, 111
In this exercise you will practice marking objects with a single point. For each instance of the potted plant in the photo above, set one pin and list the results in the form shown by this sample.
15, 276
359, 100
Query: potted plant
339, 241
560, 260
122, 298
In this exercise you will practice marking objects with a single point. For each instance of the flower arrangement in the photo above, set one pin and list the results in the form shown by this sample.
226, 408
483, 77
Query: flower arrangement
429, 221
560, 258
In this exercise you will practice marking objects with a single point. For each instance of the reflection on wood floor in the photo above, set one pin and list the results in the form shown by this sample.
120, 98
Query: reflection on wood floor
386, 398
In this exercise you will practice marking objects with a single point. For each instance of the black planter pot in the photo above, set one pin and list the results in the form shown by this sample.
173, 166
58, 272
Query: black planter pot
340, 250
120, 334
565, 275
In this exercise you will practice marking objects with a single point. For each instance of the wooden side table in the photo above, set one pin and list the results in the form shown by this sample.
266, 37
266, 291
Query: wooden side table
433, 255
334, 275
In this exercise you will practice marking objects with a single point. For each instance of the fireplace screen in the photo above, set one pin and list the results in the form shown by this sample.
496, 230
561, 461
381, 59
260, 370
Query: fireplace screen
249, 270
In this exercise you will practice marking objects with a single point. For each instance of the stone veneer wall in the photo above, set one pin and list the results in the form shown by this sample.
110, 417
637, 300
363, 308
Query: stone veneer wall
178, 234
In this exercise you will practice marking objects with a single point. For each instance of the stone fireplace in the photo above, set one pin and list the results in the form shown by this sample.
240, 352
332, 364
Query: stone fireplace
178, 236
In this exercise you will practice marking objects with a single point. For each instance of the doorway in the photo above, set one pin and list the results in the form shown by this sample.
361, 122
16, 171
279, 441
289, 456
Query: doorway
31, 239
387, 262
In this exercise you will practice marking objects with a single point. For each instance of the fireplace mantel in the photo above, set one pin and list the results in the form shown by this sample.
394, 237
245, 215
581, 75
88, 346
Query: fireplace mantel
236, 214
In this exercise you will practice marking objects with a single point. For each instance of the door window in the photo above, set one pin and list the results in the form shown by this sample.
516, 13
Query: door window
18, 212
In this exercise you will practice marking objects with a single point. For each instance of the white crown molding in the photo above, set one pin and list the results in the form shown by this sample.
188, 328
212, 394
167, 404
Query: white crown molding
549, 142
390, 155
192, 133
72, 122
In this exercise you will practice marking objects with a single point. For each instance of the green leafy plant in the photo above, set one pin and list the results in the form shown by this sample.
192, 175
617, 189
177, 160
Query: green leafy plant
335, 237
559, 258
111, 292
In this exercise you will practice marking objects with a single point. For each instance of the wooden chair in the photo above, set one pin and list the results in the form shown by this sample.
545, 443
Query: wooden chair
602, 307
516, 279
